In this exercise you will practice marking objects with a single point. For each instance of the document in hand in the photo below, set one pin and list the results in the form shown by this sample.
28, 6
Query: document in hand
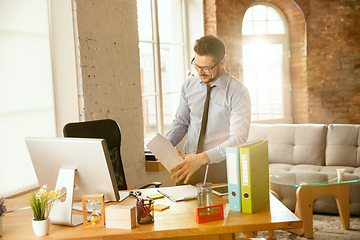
164, 151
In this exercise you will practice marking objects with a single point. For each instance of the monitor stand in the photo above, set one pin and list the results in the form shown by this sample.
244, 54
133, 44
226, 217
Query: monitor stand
61, 212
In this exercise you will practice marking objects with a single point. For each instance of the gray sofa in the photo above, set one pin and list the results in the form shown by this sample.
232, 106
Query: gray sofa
313, 148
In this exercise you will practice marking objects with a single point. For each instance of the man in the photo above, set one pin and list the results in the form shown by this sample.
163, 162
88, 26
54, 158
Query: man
228, 116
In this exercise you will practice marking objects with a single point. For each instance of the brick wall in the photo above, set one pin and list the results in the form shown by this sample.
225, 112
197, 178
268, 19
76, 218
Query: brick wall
209, 17
109, 74
325, 60
228, 17
334, 61
298, 72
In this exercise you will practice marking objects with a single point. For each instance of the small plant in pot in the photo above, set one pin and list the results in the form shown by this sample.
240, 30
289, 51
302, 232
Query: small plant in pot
41, 203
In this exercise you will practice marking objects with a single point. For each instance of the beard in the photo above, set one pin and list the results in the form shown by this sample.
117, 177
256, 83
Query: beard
211, 77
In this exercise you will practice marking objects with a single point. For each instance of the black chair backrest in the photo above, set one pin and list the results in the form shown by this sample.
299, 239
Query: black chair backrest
107, 129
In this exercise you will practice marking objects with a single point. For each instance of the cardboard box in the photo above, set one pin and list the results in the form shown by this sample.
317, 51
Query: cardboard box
121, 217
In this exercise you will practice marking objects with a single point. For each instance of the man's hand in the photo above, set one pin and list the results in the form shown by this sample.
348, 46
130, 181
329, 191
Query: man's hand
190, 164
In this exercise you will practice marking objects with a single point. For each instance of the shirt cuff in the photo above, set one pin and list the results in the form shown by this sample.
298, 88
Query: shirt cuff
215, 155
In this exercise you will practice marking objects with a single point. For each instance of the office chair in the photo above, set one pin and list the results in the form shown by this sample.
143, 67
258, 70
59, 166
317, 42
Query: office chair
109, 130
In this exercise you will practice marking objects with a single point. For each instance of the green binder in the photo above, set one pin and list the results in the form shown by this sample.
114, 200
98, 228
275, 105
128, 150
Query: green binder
254, 165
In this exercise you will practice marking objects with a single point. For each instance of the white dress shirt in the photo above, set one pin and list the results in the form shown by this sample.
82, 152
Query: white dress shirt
228, 117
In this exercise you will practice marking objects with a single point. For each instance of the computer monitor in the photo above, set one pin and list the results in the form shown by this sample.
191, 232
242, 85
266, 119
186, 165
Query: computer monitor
82, 166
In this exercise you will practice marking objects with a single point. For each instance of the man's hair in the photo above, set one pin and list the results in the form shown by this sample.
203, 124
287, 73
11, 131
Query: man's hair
210, 45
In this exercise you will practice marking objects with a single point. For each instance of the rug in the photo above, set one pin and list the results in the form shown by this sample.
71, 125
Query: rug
326, 227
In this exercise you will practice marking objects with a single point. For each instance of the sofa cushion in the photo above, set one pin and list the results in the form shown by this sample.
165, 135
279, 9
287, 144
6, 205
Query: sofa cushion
292, 143
310, 142
280, 167
342, 145
258, 131
281, 143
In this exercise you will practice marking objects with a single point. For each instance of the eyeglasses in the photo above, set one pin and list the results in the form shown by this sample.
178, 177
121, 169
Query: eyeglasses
205, 69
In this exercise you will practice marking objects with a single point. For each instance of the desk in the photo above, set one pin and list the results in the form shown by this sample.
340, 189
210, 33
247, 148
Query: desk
177, 221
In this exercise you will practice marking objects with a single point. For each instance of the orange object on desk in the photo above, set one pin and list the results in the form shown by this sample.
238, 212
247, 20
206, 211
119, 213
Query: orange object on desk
209, 213
161, 207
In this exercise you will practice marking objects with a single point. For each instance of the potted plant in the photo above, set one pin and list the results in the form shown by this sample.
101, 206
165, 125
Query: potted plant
41, 203
2, 212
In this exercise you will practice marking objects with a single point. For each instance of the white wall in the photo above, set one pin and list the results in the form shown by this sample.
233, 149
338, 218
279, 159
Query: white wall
64, 57
26, 89
110, 74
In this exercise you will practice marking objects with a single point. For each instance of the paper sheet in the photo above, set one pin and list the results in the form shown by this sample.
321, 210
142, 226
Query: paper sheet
164, 151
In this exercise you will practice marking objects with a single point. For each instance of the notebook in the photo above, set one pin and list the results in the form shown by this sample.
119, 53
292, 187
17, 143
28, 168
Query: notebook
179, 193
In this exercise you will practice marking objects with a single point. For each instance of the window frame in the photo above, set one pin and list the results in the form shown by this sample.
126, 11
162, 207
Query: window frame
286, 83
191, 32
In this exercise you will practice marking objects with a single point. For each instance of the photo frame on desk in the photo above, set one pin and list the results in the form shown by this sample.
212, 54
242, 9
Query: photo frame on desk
97, 220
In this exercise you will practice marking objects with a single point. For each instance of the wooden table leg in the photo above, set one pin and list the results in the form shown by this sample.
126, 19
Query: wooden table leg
305, 197
250, 234
342, 201
304, 207
299, 231
270, 235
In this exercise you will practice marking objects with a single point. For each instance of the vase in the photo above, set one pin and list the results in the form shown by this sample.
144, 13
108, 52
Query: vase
41, 227
0, 226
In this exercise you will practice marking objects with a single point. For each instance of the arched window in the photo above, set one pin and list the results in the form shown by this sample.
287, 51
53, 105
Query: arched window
266, 57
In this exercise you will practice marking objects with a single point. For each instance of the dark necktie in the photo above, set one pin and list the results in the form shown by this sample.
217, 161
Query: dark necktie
204, 120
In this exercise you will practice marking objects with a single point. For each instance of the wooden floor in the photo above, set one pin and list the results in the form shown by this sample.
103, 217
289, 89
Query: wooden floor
326, 227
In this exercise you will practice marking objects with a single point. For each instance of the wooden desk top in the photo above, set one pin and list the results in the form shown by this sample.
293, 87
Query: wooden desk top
177, 221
